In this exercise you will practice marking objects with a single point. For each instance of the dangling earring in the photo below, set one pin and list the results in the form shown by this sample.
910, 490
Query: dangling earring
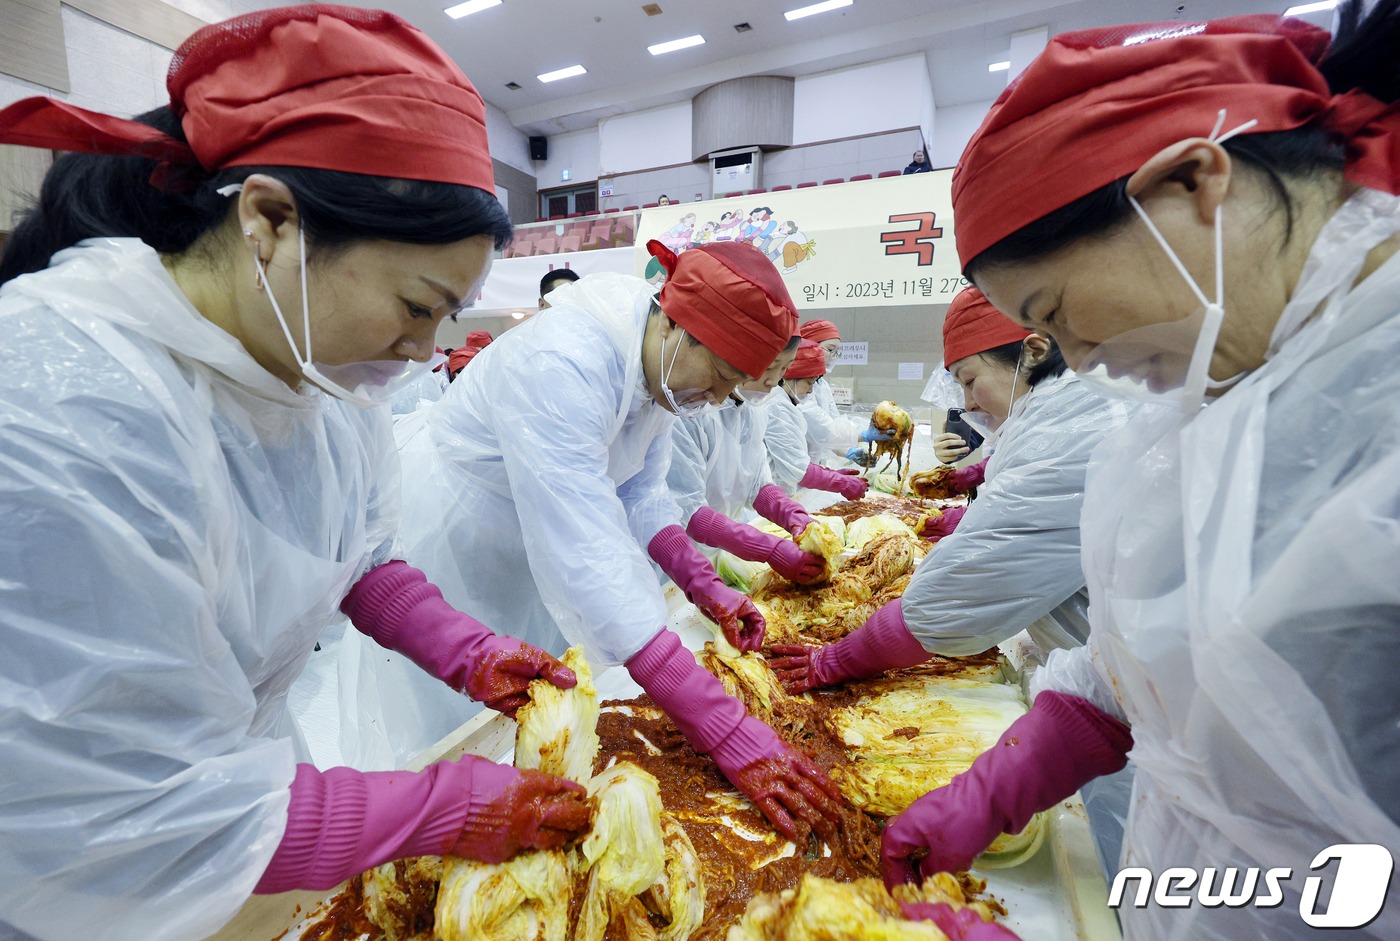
257, 254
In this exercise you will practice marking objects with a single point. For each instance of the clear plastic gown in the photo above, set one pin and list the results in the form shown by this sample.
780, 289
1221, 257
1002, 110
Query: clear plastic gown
537, 481
785, 437
1242, 570
718, 459
179, 527
828, 430
1013, 563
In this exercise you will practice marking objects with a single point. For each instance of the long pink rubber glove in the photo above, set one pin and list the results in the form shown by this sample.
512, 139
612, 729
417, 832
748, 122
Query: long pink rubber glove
735, 614
782, 782
341, 822
820, 478
973, 475
718, 530
936, 529
777, 507
961, 924
396, 606
1049, 753
881, 643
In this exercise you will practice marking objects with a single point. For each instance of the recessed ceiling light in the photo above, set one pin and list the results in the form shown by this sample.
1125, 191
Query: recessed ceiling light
513, 86
471, 6
999, 66
742, 27
557, 74
651, 9
816, 8
1310, 8
662, 48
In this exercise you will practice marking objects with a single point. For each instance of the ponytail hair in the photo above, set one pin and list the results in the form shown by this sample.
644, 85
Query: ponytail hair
95, 196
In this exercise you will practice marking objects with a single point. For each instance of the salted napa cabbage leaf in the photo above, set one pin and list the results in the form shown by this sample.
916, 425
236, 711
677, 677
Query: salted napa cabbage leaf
821, 540
525, 899
679, 895
867, 528
624, 853
737, 573
558, 728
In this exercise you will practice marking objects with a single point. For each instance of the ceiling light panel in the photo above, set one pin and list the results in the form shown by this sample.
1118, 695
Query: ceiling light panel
471, 6
999, 66
1310, 8
557, 74
816, 8
662, 48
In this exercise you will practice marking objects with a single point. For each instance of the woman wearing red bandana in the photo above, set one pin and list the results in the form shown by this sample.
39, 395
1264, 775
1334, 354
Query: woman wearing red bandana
1206, 216
201, 315
540, 496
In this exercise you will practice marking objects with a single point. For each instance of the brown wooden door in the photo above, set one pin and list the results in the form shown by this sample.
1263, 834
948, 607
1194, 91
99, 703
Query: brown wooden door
559, 205
586, 201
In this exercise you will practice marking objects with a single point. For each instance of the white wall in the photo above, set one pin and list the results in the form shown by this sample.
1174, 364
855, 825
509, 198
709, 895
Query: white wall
955, 127
861, 100
508, 145
576, 151
644, 140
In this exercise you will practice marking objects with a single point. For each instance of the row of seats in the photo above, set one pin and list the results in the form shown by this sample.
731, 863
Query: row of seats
607, 233
778, 189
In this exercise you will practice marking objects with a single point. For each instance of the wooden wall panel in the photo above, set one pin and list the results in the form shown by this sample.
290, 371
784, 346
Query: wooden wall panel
22, 172
743, 112
31, 43
159, 22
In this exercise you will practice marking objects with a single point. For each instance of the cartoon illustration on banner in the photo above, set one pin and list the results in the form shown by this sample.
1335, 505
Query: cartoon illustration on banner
883, 242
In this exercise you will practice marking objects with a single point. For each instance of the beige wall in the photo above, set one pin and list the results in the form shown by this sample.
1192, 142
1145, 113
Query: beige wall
896, 335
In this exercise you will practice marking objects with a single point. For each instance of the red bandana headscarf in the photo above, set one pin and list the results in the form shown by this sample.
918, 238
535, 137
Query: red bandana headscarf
972, 325
323, 86
810, 362
1096, 104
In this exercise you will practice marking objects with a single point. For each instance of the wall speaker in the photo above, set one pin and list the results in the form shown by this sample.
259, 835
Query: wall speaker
539, 148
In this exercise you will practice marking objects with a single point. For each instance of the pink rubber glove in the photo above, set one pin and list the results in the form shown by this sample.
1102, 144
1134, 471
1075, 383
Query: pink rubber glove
735, 614
935, 529
881, 643
961, 924
973, 475
396, 606
777, 507
783, 783
1049, 753
341, 822
847, 484
718, 530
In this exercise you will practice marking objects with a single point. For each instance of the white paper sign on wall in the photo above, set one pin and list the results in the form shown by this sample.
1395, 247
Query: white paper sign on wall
853, 354
913, 371
843, 390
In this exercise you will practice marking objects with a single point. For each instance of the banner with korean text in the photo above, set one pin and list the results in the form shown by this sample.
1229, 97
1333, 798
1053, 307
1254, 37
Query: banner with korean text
865, 244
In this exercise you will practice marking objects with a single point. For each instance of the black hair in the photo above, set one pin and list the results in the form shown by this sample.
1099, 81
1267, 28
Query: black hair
761, 209
793, 342
662, 196
1009, 355
1363, 55
551, 277
90, 196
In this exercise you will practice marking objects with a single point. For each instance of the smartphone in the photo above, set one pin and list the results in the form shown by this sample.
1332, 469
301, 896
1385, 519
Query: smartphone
956, 426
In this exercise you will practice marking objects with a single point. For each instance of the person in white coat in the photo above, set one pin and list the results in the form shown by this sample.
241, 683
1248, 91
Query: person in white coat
785, 435
540, 494
1226, 248
193, 483
829, 433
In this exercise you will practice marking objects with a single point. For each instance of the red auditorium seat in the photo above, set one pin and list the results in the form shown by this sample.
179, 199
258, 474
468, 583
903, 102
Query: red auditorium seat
545, 246
860, 176
779, 189
591, 212
552, 218
754, 192
571, 243
803, 186
837, 180
575, 215
541, 219
891, 173
650, 205
630, 208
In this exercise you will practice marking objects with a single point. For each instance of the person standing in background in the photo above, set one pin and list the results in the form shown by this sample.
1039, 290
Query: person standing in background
919, 164
549, 282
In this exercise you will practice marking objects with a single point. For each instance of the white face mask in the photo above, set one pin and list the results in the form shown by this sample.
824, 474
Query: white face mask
1168, 362
367, 384
691, 402
986, 425
752, 397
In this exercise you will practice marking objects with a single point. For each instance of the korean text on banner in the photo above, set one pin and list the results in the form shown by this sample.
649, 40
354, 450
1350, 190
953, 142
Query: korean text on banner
874, 243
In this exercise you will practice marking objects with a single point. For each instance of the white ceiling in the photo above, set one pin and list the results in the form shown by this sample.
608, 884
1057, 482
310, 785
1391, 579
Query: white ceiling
522, 38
